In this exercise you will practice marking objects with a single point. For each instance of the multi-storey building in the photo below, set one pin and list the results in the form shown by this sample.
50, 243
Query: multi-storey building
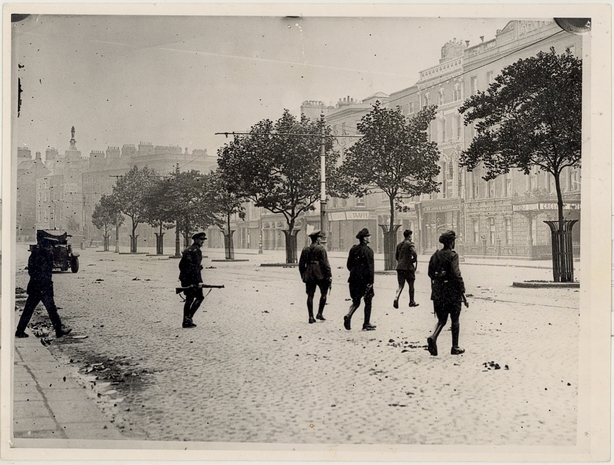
28, 171
506, 216
502, 217
65, 189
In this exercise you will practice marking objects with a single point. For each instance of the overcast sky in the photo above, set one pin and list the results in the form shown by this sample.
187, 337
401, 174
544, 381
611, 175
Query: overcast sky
176, 80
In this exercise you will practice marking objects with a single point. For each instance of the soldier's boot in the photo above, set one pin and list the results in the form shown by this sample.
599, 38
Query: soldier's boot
348, 318
455, 334
319, 316
367, 326
412, 302
187, 318
310, 310
432, 340
395, 303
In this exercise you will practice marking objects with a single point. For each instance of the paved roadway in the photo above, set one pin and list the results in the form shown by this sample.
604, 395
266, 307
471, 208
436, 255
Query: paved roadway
254, 370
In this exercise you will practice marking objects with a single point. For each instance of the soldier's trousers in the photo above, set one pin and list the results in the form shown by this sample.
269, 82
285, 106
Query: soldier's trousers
46, 297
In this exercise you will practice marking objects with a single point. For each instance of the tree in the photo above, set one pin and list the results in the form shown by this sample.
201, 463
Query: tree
395, 157
129, 192
225, 202
190, 207
531, 116
159, 211
106, 214
277, 166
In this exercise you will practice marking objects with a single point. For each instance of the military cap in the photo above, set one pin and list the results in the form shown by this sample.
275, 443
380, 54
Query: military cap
200, 235
364, 232
407, 232
447, 237
317, 233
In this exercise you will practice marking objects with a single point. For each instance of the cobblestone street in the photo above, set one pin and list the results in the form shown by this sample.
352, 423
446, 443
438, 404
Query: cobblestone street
254, 370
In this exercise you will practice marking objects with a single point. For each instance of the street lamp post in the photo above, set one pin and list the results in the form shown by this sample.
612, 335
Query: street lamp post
323, 217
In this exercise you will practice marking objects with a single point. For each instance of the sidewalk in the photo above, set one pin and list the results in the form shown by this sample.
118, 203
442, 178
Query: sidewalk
48, 402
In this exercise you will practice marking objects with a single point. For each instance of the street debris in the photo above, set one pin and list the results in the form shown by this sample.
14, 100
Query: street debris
493, 366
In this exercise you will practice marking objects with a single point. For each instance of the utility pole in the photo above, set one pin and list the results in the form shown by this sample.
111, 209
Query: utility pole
177, 241
323, 217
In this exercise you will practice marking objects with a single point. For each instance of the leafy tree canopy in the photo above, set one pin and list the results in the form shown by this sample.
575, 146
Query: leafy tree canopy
393, 156
106, 213
129, 193
187, 195
224, 200
277, 165
530, 116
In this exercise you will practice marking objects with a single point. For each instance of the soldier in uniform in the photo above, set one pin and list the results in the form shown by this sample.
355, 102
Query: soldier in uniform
40, 287
448, 291
315, 271
362, 275
190, 275
407, 259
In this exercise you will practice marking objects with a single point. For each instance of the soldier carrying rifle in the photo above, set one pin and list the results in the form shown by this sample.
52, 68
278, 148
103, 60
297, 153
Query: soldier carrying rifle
191, 278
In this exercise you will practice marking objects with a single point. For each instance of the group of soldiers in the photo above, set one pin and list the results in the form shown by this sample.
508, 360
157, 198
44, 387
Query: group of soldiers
447, 285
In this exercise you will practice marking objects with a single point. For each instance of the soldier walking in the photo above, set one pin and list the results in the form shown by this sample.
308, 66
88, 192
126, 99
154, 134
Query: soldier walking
407, 259
447, 291
315, 272
40, 287
362, 275
190, 276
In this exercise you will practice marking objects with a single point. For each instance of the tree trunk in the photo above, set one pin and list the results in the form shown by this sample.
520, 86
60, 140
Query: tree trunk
160, 241
133, 237
390, 239
291, 255
562, 248
228, 242
116, 238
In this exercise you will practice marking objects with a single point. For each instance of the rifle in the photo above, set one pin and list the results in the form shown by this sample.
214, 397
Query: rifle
199, 286
465, 301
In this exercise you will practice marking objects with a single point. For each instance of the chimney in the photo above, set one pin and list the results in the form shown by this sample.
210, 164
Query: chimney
482, 38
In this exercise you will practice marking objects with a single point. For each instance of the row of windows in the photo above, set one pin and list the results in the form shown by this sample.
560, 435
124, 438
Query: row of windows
493, 237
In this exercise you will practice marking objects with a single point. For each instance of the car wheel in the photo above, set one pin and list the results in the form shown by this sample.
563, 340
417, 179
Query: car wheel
74, 264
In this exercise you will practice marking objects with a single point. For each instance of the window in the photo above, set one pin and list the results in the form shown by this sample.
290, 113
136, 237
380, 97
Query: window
492, 189
441, 96
410, 108
508, 231
459, 126
474, 85
360, 201
443, 128
476, 231
508, 185
457, 92
492, 232
490, 77
475, 183
427, 99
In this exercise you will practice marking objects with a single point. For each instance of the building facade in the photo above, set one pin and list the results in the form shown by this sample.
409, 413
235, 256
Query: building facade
499, 218
61, 192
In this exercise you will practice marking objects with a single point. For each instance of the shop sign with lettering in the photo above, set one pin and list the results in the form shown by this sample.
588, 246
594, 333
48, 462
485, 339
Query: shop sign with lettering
357, 215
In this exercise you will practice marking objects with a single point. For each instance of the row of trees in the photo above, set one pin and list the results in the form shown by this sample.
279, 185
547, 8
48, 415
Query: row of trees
529, 116
186, 200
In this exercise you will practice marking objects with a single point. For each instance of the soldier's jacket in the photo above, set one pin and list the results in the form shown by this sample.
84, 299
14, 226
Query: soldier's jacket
361, 264
190, 266
406, 255
40, 267
313, 264
446, 281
